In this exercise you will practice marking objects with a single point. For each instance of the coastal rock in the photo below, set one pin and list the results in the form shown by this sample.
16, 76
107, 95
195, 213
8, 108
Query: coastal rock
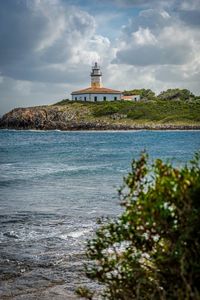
71, 117
41, 118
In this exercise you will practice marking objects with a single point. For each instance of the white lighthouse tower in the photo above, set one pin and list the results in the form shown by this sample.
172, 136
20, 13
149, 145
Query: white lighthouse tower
96, 92
96, 76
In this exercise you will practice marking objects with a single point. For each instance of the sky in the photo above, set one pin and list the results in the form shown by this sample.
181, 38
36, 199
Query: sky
47, 47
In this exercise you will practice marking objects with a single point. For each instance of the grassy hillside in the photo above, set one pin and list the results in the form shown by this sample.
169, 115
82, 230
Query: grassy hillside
126, 112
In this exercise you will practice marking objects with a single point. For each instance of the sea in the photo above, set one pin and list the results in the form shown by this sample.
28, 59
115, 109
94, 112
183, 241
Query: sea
54, 185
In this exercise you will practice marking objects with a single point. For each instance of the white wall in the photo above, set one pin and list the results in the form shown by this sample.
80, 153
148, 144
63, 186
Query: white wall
136, 97
100, 97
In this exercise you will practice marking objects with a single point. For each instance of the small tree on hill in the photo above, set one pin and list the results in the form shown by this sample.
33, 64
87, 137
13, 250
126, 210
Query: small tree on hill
152, 251
176, 94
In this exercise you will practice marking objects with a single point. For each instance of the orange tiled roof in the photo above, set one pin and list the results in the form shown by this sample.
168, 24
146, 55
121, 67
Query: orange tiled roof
92, 90
127, 97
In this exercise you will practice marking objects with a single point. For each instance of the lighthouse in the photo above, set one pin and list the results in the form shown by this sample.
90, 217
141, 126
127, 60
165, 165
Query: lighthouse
96, 92
96, 76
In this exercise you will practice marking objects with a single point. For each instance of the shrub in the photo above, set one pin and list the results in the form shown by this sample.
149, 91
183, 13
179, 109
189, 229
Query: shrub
105, 111
152, 250
176, 94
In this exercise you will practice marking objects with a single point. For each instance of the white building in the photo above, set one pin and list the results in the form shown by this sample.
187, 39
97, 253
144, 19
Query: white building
96, 92
131, 98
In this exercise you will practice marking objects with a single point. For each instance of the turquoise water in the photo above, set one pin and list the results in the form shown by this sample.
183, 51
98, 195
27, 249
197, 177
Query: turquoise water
54, 185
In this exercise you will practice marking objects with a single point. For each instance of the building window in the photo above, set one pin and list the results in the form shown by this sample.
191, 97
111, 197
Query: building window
95, 98
115, 98
75, 98
104, 98
85, 98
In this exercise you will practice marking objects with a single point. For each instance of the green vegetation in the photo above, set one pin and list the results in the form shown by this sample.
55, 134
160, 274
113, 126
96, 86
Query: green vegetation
171, 107
151, 251
176, 94
142, 112
153, 111
144, 93
170, 94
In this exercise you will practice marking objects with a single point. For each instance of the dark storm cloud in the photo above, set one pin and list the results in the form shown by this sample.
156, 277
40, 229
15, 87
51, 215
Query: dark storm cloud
31, 70
174, 74
38, 38
154, 55
191, 18
20, 31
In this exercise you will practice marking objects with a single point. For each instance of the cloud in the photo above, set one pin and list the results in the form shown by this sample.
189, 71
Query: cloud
144, 37
151, 55
139, 3
21, 93
47, 41
156, 38
160, 48
191, 18
190, 5
47, 46
20, 33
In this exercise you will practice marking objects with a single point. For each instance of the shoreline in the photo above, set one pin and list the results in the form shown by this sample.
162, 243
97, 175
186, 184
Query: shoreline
110, 128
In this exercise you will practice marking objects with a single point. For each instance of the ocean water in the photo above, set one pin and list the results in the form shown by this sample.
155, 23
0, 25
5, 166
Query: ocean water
53, 187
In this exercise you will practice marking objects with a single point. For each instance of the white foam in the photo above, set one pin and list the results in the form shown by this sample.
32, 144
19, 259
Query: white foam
75, 234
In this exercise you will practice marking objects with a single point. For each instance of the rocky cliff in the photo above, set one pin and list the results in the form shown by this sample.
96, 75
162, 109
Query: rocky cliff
75, 117
53, 117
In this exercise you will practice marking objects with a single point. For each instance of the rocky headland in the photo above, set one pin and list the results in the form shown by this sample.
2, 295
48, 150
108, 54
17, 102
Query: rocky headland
77, 116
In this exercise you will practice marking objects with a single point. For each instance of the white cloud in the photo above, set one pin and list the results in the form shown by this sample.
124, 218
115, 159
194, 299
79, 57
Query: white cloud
157, 49
47, 47
158, 39
144, 36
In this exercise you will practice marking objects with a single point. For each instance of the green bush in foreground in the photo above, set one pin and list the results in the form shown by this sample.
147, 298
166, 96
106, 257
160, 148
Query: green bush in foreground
152, 251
